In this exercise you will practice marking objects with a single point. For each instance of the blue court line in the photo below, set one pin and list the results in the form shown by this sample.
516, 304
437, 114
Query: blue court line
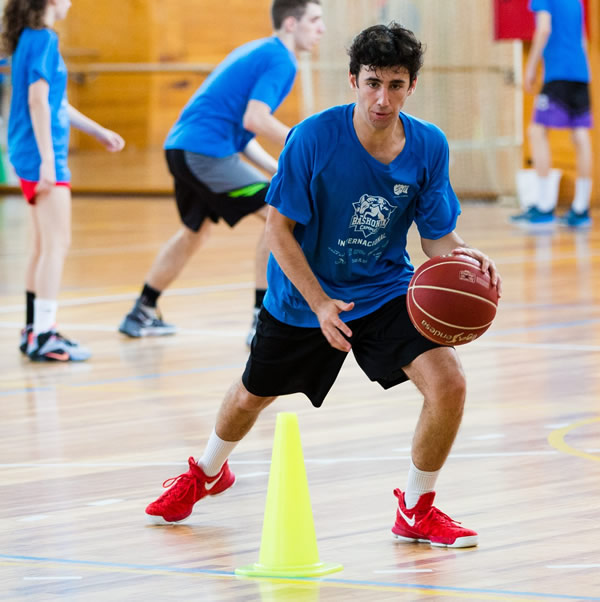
332, 581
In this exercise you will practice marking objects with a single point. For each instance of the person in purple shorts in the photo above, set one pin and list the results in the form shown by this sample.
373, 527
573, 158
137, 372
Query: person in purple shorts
564, 103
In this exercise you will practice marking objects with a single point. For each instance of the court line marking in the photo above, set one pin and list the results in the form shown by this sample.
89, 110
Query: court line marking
573, 566
176, 292
324, 461
557, 440
395, 571
231, 333
57, 578
427, 590
105, 502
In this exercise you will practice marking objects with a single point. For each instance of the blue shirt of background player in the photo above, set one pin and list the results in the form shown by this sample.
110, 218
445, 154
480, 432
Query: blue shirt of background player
353, 212
37, 57
564, 54
211, 122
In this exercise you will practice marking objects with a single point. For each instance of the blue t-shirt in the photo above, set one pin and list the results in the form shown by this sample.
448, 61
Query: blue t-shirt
564, 54
211, 122
37, 57
353, 212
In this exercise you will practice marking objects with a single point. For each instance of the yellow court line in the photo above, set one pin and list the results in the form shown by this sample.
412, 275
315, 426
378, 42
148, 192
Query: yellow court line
304, 583
557, 440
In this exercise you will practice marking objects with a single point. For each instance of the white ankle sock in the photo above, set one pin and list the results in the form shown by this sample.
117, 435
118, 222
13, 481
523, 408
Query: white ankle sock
583, 192
44, 315
418, 483
546, 200
215, 454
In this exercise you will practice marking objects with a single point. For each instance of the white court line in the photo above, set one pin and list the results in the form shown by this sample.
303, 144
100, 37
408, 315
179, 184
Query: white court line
33, 518
395, 571
541, 452
106, 328
543, 346
176, 292
488, 436
559, 425
559, 347
57, 578
573, 566
256, 462
104, 502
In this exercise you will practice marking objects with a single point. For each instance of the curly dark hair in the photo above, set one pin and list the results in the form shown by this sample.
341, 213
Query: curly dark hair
19, 14
382, 46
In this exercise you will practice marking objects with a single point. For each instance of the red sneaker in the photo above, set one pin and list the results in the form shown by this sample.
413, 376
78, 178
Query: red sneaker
176, 504
426, 523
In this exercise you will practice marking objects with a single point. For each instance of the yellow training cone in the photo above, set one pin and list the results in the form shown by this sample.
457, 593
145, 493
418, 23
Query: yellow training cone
289, 546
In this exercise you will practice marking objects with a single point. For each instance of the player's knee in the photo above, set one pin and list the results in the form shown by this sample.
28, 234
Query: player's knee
248, 402
452, 391
536, 132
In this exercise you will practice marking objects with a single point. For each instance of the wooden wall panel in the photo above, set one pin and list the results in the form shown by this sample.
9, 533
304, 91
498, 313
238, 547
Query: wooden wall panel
142, 107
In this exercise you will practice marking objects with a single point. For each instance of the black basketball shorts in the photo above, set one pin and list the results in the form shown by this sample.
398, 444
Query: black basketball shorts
197, 202
288, 359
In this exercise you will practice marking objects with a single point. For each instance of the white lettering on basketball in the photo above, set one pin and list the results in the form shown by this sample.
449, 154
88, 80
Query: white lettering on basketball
459, 337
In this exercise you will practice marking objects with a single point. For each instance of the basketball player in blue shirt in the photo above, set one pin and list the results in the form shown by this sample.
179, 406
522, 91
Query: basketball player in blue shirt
563, 103
38, 145
203, 149
350, 183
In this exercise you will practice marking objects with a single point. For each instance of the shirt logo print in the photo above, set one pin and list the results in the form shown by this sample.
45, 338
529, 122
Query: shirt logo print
401, 189
371, 214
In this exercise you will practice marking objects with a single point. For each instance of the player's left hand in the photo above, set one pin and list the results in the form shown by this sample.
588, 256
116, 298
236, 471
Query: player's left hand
111, 140
487, 264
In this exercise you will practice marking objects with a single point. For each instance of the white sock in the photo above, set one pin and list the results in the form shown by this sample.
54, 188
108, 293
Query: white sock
418, 483
583, 192
215, 454
546, 200
44, 315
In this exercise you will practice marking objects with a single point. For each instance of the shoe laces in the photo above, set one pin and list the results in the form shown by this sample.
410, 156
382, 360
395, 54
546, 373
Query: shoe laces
60, 337
177, 491
436, 515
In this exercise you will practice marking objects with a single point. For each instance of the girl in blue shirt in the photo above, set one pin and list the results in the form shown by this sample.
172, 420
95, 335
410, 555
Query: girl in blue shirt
38, 143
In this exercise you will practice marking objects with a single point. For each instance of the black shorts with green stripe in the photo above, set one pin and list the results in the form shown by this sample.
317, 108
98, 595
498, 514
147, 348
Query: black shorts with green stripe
215, 188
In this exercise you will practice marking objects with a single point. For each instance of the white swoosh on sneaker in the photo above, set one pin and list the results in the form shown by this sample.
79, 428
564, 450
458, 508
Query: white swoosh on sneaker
208, 486
410, 521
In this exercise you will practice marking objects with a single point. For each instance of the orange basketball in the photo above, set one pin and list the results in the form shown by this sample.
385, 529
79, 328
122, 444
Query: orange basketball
450, 300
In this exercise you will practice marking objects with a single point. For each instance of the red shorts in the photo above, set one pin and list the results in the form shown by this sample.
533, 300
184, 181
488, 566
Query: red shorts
28, 188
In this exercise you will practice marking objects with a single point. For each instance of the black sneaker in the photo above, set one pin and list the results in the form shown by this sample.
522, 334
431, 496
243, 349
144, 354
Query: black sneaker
51, 346
139, 322
25, 338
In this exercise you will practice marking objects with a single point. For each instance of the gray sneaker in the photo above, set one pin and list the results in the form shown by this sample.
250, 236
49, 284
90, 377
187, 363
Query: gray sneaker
252, 330
51, 346
141, 323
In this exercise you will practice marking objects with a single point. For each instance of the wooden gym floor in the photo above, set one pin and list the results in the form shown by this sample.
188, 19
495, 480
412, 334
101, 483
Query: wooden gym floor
85, 447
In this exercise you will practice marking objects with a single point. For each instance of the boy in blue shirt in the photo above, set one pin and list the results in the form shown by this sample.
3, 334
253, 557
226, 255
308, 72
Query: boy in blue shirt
203, 148
351, 181
563, 103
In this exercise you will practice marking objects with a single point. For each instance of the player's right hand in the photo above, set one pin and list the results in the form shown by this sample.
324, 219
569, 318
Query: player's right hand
47, 178
331, 325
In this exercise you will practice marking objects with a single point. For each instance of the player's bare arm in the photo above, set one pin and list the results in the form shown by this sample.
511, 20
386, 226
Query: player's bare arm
290, 257
260, 157
258, 119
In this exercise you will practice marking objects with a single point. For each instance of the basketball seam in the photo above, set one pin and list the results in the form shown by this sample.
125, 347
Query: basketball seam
447, 323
